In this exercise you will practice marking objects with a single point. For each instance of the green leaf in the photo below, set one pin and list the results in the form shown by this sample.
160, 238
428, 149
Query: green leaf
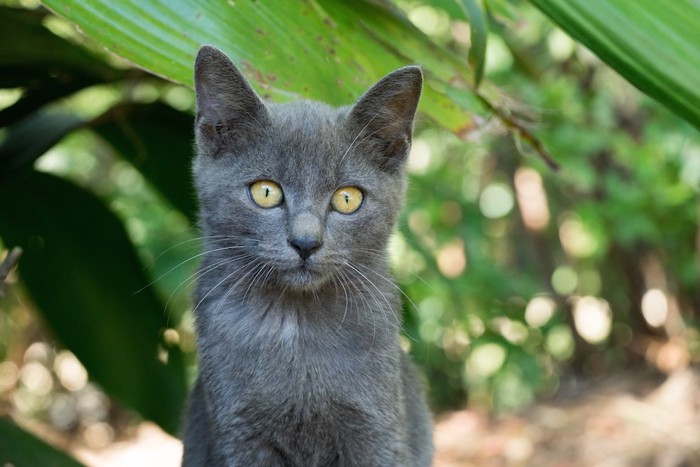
320, 49
503, 12
25, 141
157, 140
478, 31
652, 43
85, 278
19, 448
453, 8
46, 66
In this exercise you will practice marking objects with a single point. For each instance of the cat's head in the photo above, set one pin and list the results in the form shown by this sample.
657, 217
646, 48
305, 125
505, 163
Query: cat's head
299, 194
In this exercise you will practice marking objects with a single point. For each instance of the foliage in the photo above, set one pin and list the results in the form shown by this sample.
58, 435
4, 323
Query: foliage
652, 44
514, 274
350, 45
90, 302
18, 447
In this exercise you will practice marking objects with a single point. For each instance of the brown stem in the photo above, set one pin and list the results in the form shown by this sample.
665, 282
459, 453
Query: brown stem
523, 132
6, 266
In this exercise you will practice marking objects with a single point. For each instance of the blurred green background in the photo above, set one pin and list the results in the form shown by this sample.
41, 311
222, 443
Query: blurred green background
519, 278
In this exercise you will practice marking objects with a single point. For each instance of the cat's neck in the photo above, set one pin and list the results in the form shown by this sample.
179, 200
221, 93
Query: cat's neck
344, 307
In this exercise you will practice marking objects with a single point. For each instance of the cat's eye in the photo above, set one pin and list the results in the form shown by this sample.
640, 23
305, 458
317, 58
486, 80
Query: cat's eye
266, 194
347, 200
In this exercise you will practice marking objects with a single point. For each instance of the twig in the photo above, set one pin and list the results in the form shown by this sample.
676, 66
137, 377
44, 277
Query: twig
6, 266
523, 132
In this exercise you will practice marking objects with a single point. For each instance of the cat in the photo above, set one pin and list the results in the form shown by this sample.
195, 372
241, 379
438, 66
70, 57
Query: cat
297, 319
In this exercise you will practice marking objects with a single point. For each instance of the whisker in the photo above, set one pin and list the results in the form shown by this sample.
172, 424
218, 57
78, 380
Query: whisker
393, 284
381, 254
206, 270
369, 308
227, 277
255, 265
375, 288
372, 294
347, 302
254, 280
199, 255
369, 135
192, 240
356, 137
192, 278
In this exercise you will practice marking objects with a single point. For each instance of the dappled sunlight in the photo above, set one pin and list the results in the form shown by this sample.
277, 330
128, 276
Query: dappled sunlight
451, 259
9, 375
632, 419
539, 311
655, 307
485, 360
560, 342
532, 199
432, 21
9, 96
496, 200
53, 384
593, 318
564, 280
576, 239
513, 331
419, 157
146, 445
456, 342
36, 378
70, 372
431, 311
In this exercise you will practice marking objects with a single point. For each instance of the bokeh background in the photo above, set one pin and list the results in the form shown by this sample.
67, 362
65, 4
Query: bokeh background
523, 282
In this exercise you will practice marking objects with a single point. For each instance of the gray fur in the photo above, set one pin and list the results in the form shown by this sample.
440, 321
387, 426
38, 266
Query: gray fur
300, 362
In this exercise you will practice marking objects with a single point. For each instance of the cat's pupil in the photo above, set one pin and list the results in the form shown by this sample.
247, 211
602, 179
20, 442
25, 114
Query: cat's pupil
267, 192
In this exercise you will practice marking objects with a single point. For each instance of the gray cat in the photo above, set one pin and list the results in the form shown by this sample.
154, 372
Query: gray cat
297, 319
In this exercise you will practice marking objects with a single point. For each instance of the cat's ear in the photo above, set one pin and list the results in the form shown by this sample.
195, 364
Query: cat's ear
382, 119
229, 112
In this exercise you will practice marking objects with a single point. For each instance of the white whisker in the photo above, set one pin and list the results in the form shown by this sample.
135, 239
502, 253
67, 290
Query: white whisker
356, 296
347, 302
227, 277
191, 258
393, 284
254, 266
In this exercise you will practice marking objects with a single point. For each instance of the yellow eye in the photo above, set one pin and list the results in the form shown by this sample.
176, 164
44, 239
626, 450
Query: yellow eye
266, 194
347, 200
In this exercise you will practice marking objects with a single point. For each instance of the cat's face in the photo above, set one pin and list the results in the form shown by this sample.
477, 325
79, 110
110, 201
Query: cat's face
299, 195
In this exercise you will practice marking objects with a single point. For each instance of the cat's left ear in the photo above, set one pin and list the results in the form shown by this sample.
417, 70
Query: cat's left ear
229, 112
382, 119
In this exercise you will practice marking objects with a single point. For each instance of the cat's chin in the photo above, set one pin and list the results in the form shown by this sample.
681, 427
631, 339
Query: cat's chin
303, 278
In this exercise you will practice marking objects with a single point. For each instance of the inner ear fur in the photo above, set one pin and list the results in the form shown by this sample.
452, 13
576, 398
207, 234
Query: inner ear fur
382, 118
229, 111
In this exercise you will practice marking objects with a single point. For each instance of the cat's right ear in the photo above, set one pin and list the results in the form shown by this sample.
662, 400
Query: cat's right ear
382, 118
229, 112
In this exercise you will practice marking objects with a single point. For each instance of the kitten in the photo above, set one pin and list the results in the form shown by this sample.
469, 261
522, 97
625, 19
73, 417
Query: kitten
297, 321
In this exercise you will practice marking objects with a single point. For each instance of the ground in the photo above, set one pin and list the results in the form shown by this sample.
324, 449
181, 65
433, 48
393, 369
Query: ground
632, 419
628, 420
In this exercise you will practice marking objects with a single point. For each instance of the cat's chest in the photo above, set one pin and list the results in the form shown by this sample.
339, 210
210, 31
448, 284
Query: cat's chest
313, 330
264, 356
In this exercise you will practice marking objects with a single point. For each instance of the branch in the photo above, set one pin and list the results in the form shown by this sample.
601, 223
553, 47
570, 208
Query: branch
523, 132
7, 265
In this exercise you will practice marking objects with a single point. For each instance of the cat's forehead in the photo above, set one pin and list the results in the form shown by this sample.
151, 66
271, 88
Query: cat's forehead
308, 121
309, 137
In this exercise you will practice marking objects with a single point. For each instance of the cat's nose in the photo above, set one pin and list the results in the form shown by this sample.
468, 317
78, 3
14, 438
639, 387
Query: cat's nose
305, 246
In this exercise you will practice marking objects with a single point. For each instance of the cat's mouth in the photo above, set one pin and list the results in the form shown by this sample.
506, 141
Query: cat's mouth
303, 275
